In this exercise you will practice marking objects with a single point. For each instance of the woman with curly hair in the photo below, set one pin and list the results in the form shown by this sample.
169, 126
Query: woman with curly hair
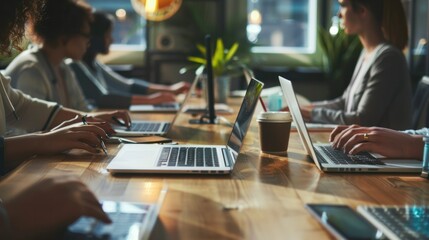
34, 213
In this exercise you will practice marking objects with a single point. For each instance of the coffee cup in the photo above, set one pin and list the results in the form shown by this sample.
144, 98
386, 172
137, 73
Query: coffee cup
274, 131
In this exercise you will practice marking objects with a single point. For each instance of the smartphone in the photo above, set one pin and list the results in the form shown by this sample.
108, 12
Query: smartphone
344, 222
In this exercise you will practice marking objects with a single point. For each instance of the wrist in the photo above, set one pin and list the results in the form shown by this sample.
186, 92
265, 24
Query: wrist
415, 148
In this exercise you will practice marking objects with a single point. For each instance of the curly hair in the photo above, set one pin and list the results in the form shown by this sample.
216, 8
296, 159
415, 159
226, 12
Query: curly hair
60, 18
14, 14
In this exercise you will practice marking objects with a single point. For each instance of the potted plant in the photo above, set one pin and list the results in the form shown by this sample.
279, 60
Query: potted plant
340, 54
224, 63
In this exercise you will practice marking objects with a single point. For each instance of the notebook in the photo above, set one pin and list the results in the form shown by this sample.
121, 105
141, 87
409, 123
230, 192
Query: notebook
130, 220
198, 159
155, 108
329, 159
160, 128
399, 222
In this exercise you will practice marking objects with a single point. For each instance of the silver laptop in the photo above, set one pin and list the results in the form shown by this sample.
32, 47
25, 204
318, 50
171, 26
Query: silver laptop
157, 128
205, 159
130, 220
329, 159
155, 108
399, 222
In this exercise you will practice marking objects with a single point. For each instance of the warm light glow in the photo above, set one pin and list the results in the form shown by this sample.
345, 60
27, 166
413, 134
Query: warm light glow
151, 6
121, 14
156, 10
255, 17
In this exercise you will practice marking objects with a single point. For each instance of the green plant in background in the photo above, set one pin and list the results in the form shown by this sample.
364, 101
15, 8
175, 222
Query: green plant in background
224, 60
340, 54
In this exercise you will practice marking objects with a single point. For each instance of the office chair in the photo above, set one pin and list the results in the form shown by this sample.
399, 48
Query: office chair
420, 116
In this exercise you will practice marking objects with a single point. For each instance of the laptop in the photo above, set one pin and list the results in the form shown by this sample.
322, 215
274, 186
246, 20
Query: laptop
329, 159
197, 159
399, 222
155, 108
130, 220
158, 128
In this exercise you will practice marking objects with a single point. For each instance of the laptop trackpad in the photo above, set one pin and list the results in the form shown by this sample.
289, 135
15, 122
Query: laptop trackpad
403, 163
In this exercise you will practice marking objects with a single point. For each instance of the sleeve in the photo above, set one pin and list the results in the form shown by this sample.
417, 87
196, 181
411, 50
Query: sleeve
34, 114
328, 111
122, 84
97, 93
422, 131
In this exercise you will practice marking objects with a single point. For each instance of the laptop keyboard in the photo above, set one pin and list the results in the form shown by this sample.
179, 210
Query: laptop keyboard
339, 157
122, 222
411, 222
147, 127
188, 157
165, 106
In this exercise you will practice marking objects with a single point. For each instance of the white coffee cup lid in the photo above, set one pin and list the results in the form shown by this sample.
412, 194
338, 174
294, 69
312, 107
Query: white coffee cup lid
274, 116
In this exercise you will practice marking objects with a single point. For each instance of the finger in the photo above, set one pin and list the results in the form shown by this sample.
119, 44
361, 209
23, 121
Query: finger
98, 131
96, 212
363, 147
345, 137
93, 207
124, 116
107, 128
354, 140
336, 131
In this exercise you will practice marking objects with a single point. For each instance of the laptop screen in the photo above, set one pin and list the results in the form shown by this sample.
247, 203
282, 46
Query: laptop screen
244, 116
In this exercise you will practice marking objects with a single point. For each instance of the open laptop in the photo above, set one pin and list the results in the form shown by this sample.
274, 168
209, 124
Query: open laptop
157, 128
329, 159
130, 220
205, 159
399, 222
155, 108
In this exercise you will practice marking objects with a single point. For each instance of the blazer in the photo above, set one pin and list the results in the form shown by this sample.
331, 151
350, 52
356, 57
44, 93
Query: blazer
31, 73
383, 99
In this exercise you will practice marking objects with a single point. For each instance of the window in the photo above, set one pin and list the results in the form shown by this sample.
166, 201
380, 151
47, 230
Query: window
279, 26
129, 29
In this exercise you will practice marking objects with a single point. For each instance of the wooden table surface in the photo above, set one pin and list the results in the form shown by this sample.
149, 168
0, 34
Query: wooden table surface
263, 198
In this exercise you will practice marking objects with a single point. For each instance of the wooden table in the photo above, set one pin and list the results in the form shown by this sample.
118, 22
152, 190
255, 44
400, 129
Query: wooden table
263, 198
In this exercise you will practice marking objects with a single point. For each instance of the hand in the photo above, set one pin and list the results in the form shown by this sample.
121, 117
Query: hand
161, 97
111, 117
75, 136
179, 87
77, 120
46, 208
387, 142
306, 112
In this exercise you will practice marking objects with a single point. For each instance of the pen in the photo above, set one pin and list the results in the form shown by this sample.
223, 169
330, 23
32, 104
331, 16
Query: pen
103, 146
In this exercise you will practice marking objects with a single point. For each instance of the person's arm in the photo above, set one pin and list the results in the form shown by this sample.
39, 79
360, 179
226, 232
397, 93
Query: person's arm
120, 83
67, 114
17, 149
46, 208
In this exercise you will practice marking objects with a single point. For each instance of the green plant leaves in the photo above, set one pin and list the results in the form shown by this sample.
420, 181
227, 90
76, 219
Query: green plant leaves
222, 59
